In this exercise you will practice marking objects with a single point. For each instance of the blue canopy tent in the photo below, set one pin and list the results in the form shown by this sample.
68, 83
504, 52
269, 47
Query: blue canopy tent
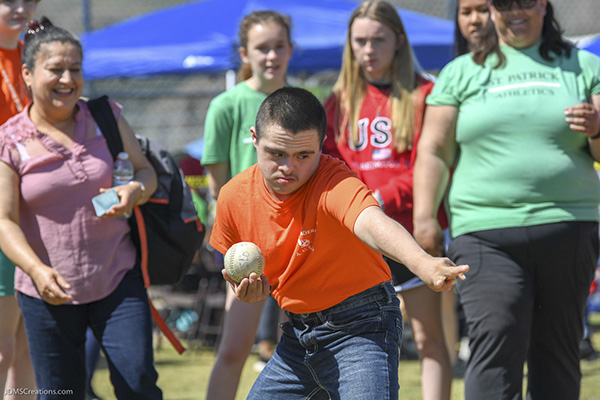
594, 46
200, 36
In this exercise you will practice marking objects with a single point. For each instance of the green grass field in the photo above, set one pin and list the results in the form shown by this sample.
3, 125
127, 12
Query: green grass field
185, 377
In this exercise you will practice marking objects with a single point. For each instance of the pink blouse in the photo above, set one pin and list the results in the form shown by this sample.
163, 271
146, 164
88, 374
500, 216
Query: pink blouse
56, 213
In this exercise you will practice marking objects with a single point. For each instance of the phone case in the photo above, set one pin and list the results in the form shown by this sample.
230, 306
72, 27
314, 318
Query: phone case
104, 201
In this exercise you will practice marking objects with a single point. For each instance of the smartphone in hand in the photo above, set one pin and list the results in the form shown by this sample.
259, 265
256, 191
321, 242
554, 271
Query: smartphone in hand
104, 201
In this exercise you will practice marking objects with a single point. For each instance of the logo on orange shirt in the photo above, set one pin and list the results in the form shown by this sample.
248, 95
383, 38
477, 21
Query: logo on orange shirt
304, 243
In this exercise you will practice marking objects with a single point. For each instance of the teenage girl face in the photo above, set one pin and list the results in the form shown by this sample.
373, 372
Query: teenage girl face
14, 15
473, 17
374, 46
268, 52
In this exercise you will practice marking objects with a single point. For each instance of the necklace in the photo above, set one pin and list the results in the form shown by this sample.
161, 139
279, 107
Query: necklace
11, 88
377, 92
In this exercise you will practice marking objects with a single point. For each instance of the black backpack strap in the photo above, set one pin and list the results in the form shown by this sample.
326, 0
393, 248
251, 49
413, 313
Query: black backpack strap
105, 119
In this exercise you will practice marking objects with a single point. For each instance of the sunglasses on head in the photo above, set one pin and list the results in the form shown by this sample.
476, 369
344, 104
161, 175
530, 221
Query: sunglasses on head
505, 5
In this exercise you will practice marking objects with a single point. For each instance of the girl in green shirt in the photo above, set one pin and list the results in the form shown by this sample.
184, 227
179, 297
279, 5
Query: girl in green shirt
265, 50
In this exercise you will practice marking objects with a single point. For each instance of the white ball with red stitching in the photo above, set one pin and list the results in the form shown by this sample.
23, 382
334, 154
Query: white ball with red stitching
242, 259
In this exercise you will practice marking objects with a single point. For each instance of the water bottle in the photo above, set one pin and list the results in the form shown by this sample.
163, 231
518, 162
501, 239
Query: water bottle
122, 173
122, 170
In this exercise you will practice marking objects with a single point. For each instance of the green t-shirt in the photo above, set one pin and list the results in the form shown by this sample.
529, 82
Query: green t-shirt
200, 206
7, 276
519, 163
227, 128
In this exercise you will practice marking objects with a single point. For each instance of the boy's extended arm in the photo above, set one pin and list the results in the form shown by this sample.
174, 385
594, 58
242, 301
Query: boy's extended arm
389, 238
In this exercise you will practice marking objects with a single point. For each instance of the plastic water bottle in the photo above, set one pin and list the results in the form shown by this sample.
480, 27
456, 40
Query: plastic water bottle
122, 170
122, 173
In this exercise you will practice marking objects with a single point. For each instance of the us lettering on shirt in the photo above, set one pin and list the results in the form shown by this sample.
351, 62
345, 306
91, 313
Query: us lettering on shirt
377, 133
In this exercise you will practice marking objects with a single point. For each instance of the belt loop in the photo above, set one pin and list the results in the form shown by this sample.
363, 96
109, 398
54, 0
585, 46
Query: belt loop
390, 292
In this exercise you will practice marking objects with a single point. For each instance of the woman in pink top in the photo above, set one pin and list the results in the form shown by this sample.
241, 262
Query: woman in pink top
74, 269
15, 368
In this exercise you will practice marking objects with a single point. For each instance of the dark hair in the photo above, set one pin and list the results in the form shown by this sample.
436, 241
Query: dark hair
460, 45
294, 109
552, 40
44, 32
259, 18
488, 39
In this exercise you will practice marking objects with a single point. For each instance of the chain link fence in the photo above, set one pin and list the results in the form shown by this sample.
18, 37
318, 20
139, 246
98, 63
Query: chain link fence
171, 109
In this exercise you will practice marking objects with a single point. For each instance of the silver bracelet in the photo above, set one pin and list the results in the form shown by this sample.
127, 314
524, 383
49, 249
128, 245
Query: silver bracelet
142, 187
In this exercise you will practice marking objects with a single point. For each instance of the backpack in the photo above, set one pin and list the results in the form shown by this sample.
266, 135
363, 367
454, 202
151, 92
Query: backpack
166, 230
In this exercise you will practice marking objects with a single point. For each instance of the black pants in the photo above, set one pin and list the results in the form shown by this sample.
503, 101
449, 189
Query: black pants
524, 299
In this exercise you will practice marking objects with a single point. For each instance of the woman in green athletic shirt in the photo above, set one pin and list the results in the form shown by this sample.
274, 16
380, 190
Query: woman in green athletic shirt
521, 132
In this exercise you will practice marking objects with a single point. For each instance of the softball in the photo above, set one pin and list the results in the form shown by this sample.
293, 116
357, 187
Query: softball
242, 259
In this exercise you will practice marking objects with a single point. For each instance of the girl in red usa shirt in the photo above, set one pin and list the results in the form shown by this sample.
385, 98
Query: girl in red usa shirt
374, 118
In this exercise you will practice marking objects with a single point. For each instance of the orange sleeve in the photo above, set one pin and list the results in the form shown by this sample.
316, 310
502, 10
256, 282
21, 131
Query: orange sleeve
347, 199
222, 234
11, 65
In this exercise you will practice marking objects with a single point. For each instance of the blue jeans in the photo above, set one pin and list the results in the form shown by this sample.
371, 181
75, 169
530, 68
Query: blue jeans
349, 351
122, 324
92, 354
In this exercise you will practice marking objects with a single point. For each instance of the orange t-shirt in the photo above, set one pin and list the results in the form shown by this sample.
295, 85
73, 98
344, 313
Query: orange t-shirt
312, 258
10, 59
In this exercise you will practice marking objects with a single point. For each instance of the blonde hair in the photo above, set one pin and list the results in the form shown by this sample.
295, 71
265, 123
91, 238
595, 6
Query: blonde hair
351, 85
259, 18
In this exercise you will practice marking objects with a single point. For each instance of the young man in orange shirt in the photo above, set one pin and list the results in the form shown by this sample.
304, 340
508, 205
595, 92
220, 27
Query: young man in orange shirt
322, 234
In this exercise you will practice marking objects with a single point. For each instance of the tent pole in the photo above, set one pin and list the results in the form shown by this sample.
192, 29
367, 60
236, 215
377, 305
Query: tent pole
229, 79
85, 10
